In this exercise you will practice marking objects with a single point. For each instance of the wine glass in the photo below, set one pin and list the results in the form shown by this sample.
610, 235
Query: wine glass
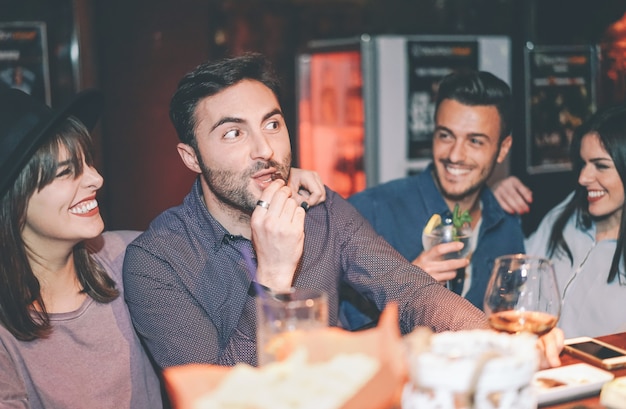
522, 295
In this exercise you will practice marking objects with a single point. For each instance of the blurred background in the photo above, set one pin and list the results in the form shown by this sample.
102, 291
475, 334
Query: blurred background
136, 51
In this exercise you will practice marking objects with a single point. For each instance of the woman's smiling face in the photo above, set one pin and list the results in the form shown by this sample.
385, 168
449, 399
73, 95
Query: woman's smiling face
605, 190
65, 209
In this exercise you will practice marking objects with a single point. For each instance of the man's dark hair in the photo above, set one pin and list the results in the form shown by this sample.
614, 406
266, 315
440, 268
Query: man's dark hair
479, 88
209, 79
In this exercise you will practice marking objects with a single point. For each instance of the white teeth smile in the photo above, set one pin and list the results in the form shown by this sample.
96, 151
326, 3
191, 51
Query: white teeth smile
84, 207
457, 171
596, 193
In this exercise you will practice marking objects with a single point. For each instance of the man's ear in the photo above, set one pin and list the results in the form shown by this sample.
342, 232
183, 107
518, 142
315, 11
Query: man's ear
505, 147
188, 155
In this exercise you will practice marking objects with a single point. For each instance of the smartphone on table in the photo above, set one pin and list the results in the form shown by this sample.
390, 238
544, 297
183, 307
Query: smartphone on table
596, 352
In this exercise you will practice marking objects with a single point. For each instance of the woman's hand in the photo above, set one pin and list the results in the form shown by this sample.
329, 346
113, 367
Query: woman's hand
512, 195
307, 186
550, 346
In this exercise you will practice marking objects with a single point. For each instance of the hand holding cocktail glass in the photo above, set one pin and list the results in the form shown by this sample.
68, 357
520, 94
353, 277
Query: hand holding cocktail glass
522, 295
446, 243
446, 234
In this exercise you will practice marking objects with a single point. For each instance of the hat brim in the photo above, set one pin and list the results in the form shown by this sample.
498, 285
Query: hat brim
86, 106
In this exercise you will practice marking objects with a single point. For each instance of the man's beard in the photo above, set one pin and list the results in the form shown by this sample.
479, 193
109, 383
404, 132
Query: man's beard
473, 188
232, 188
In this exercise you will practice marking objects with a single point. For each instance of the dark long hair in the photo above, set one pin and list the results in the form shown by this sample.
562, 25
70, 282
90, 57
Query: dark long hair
610, 126
19, 287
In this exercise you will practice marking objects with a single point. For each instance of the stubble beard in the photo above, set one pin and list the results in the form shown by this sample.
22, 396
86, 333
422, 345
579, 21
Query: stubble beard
475, 187
231, 189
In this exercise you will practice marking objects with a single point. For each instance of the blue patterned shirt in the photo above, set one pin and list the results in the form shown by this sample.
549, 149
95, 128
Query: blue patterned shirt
187, 285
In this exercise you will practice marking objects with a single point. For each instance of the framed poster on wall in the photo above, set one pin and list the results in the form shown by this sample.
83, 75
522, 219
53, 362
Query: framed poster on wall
560, 96
24, 58
428, 62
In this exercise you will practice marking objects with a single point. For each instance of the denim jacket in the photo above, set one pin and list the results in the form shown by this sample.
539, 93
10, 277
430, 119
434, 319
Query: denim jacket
398, 210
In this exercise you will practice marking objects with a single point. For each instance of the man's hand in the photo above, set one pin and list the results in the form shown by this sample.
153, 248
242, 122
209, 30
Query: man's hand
277, 236
513, 195
550, 346
307, 186
433, 263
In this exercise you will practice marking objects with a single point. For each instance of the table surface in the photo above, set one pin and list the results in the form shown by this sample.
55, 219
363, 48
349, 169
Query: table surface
187, 382
590, 402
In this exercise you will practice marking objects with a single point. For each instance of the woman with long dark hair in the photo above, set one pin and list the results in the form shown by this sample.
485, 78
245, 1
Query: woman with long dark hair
585, 235
66, 339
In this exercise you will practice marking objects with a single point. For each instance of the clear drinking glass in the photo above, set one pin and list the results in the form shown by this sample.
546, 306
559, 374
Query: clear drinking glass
522, 295
279, 314
445, 234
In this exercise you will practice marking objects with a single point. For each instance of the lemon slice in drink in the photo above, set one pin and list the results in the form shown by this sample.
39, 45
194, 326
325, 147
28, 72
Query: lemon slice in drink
435, 220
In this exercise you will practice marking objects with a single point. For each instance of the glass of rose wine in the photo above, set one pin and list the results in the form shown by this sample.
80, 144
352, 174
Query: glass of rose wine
522, 295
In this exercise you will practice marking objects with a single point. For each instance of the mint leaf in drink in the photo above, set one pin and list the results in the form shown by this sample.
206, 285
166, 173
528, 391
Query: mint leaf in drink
458, 218
452, 224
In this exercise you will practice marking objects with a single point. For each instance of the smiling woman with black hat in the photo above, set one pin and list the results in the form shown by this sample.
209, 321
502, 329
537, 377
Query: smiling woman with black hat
66, 339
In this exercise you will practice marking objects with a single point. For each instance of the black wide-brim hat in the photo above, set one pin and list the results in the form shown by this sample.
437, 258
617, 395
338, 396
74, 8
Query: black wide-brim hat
26, 123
